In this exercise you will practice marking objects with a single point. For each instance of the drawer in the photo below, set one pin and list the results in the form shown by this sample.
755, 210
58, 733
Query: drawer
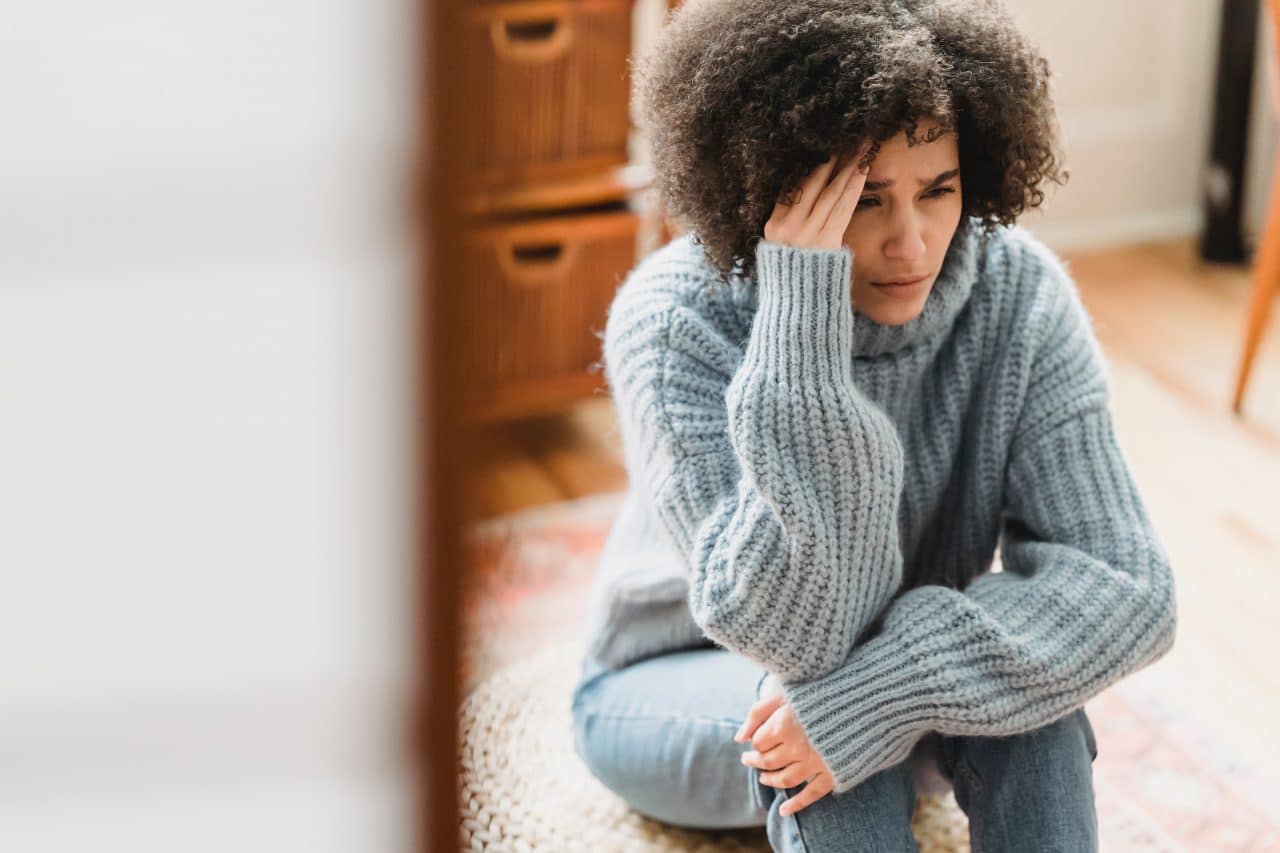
552, 89
538, 293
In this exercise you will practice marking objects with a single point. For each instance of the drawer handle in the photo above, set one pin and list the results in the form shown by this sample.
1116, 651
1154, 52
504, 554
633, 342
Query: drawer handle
539, 40
533, 264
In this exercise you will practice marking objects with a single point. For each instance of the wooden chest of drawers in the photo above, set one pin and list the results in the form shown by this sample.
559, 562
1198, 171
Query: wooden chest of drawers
552, 217
540, 292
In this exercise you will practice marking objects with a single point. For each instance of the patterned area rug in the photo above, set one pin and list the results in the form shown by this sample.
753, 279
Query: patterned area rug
1162, 783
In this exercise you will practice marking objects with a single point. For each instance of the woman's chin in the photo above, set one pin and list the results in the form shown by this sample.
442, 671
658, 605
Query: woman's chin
891, 312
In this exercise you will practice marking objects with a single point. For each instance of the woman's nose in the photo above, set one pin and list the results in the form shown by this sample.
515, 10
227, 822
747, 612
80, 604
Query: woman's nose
906, 243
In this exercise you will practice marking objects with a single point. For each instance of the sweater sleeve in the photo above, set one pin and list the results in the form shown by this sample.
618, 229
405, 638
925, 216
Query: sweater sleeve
777, 479
1085, 598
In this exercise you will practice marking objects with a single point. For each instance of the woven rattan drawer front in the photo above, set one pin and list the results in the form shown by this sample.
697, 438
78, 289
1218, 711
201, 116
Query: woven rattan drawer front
552, 89
537, 303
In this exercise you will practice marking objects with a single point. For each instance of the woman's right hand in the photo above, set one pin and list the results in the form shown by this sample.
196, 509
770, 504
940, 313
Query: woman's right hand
820, 216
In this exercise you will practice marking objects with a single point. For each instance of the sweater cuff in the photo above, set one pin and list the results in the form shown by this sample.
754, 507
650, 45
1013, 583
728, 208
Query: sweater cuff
869, 713
806, 298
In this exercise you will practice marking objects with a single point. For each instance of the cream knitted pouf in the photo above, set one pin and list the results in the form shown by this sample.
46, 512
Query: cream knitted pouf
523, 787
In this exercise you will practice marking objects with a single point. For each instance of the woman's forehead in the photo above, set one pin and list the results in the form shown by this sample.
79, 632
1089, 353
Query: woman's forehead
925, 160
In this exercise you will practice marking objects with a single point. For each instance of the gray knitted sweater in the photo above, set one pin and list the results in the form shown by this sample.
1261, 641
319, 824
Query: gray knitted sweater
826, 495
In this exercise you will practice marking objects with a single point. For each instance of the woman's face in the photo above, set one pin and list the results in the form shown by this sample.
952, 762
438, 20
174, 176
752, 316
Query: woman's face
909, 210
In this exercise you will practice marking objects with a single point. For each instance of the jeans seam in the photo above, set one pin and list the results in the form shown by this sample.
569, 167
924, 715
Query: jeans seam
977, 797
1090, 736
581, 688
804, 845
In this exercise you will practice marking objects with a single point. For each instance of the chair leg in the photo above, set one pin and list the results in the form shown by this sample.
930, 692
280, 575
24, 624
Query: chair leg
1266, 279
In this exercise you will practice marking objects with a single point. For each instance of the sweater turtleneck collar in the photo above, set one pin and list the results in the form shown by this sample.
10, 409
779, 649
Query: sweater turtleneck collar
950, 293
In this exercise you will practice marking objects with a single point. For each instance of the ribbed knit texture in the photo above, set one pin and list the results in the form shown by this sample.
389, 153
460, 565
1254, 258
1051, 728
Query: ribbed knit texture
837, 488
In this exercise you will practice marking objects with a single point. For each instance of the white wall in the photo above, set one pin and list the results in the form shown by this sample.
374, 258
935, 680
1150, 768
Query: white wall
1134, 84
205, 404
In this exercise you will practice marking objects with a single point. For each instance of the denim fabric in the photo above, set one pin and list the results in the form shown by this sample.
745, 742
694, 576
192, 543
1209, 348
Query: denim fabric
659, 733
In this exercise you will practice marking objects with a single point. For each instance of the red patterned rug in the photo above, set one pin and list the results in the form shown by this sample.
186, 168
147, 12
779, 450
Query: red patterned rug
1162, 782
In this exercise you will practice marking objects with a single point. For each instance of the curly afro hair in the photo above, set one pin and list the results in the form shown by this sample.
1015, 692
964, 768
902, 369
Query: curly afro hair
742, 98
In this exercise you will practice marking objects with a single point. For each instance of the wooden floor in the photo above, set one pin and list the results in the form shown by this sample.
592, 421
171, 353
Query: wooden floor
1172, 329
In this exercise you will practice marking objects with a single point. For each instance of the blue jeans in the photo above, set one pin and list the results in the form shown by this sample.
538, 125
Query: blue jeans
659, 733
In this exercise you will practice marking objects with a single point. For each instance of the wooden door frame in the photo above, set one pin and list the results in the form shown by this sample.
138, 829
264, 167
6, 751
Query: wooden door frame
443, 450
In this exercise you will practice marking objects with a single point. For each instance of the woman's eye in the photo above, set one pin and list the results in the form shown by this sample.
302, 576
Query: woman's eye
934, 193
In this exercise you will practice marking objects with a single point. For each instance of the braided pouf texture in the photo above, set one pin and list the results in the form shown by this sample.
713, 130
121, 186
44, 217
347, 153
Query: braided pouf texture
523, 787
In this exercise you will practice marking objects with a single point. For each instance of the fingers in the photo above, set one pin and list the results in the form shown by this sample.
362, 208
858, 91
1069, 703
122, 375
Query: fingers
843, 205
838, 220
767, 738
790, 776
834, 191
821, 212
811, 189
770, 733
796, 212
773, 759
859, 179
817, 788
759, 712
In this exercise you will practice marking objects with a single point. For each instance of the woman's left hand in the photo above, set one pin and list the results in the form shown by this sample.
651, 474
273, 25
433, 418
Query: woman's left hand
782, 751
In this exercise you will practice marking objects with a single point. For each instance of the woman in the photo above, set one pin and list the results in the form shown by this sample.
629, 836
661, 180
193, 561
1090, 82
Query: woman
851, 380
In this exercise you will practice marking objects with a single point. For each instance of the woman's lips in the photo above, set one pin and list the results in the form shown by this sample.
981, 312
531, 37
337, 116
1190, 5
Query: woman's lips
903, 290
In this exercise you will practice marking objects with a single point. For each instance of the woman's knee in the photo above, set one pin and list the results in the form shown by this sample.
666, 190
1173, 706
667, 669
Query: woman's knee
1030, 791
684, 772
1070, 736
659, 734
1060, 744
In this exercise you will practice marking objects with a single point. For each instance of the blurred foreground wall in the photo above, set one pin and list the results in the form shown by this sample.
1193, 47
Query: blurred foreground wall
204, 427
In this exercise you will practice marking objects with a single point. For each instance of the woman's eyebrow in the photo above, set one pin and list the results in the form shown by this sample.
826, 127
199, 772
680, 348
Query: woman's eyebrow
872, 186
